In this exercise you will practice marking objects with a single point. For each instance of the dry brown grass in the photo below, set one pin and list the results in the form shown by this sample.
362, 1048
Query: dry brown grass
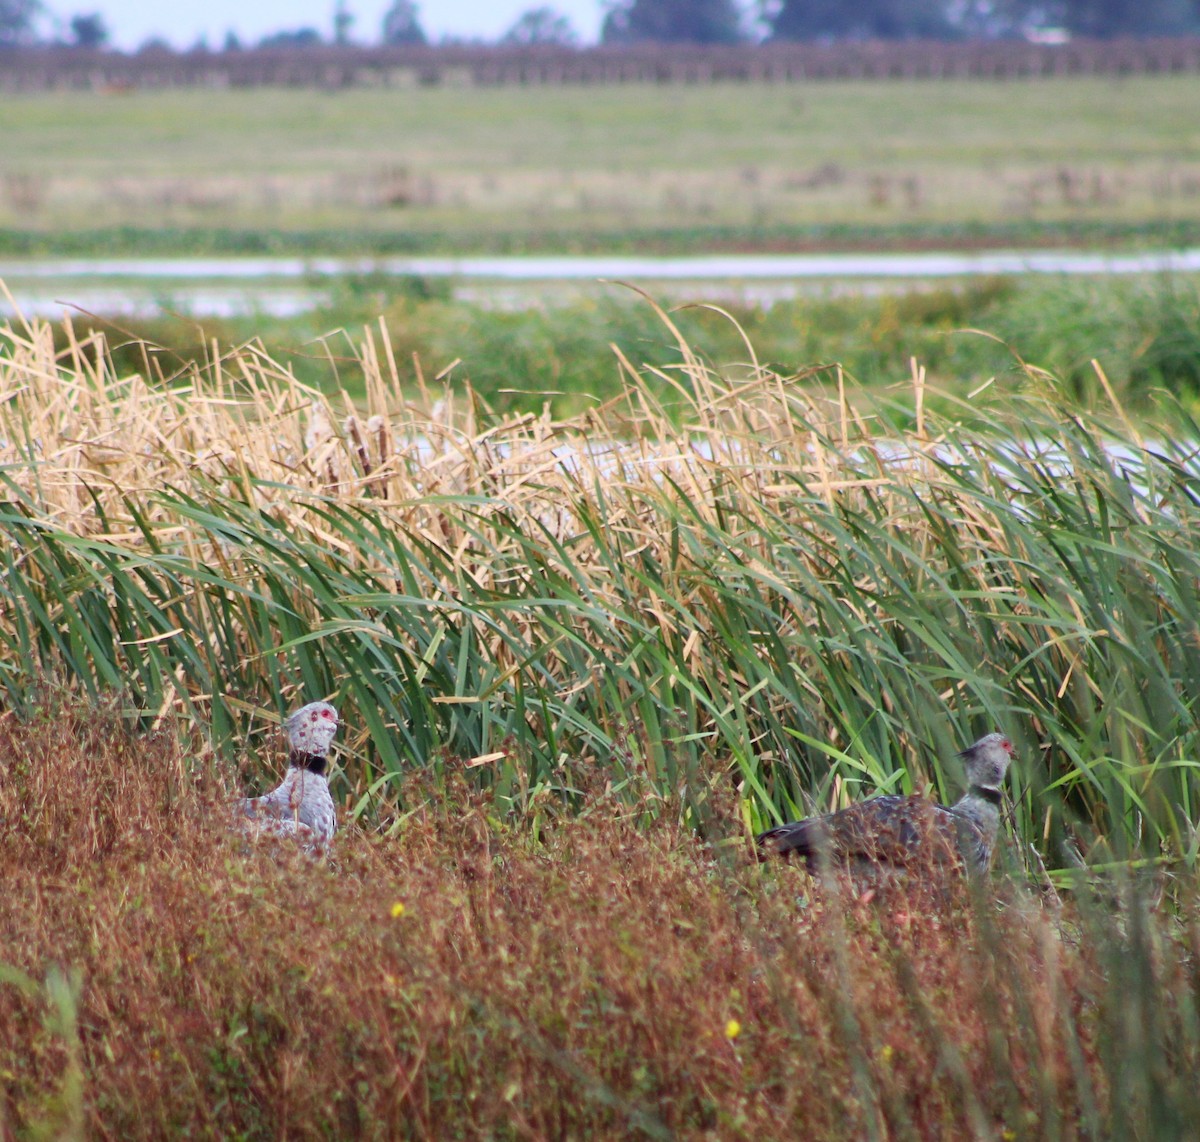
157, 979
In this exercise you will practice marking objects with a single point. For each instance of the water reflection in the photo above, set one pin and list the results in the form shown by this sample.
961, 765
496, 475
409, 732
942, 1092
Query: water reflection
206, 287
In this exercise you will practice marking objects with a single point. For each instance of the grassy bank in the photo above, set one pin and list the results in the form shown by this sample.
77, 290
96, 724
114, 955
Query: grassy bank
768, 589
600, 980
218, 240
528, 168
556, 349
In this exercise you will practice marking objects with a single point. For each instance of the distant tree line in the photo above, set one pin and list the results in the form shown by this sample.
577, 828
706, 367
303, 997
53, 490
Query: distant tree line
708, 22
979, 19
18, 26
725, 21
335, 67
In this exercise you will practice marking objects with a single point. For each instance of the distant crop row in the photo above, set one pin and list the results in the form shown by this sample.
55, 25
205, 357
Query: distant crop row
340, 67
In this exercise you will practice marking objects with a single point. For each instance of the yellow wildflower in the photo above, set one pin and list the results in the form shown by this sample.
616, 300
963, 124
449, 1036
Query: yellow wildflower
732, 1029
397, 910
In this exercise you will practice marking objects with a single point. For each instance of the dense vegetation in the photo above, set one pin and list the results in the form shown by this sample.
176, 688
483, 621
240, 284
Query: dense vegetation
599, 591
463, 979
553, 347
758, 587
579, 661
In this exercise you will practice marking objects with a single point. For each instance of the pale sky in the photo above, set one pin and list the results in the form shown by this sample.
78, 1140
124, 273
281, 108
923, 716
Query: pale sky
182, 22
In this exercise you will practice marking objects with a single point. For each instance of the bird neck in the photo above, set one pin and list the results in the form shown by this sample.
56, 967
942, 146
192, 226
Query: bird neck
313, 762
988, 793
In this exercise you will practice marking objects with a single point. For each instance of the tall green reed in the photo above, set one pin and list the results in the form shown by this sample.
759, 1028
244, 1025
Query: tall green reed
761, 594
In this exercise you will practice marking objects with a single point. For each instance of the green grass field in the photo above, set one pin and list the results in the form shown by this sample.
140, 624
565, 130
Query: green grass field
751, 165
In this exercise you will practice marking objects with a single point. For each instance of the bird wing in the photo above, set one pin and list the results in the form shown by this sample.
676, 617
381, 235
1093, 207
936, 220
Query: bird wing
890, 830
883, 830
299, 807
838, 835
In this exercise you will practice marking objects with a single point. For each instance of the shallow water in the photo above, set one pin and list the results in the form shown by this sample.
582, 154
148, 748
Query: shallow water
205, 287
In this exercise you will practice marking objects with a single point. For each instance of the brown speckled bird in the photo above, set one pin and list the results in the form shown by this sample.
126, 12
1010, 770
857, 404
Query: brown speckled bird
892, 834
301, 807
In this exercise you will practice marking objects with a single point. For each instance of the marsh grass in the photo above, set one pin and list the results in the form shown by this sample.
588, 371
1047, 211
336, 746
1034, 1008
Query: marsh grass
551, 348
716, 582
613, 976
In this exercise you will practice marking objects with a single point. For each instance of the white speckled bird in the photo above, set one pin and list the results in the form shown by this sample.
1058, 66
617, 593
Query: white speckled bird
301, 806
891, 833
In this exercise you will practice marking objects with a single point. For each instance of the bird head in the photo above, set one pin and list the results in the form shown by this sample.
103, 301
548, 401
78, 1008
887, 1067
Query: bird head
311, 728
988, 760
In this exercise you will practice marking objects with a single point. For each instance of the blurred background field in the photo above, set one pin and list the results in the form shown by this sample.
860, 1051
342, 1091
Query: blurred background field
758, 166
1090, 161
